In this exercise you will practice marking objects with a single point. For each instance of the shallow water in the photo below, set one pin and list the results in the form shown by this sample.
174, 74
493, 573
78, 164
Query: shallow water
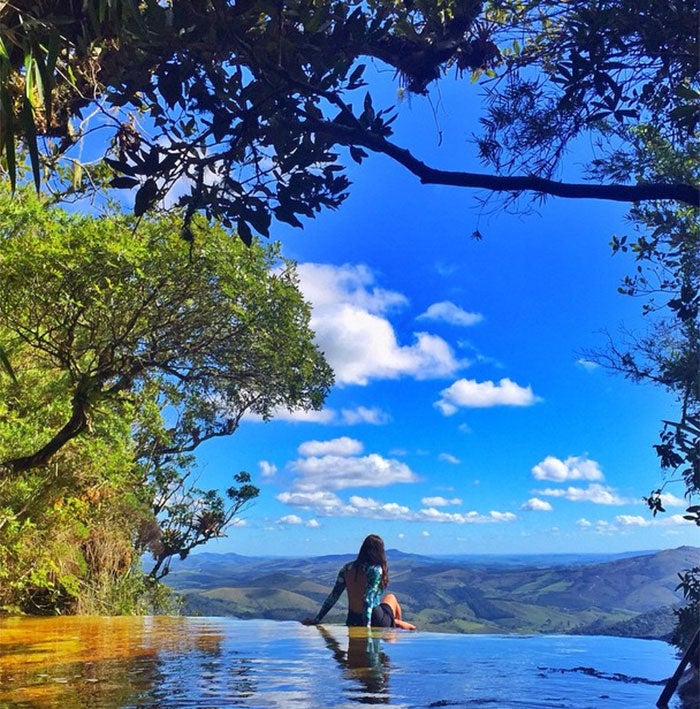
222, 662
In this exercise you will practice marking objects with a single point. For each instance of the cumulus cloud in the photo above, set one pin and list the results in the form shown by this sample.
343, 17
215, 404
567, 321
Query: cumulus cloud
583, 522
446, 311
632, 520
668, 499
267, 469
449, 458
323, 502
325, 285
501, 516
430, 514
363, 414
640, 521
573, 468
324, 416
440, 501
290, 519
468, 393
534, 504
366, 506
595, 493
313, 523
348, 417
333, 472
343, 446
329, 505
350, 321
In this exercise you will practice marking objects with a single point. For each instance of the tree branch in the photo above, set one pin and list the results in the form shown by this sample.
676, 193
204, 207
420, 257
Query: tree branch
352, 135
75, 425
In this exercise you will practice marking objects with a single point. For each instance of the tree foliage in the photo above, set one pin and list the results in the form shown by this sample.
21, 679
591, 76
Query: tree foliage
591, 66
129, 349
252, 104
666, 251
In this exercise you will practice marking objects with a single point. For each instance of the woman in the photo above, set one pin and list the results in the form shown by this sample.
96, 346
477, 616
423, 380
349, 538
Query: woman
365, 580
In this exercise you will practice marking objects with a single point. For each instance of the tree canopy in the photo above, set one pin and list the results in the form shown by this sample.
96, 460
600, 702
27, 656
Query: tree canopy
128, 349
252, 104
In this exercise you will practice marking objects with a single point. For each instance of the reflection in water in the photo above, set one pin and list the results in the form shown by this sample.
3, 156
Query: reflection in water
212, 663
364, 661
116, 662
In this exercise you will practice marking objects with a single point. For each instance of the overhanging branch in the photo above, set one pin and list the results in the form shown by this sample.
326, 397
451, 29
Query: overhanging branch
351, 135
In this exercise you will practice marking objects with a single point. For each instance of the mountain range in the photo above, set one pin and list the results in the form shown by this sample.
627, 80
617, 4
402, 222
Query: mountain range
631, 595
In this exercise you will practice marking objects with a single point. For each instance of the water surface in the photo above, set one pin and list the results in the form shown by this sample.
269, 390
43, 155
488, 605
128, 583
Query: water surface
222, 662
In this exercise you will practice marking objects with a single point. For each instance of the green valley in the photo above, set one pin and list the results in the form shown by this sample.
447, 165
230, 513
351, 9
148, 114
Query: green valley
625, 595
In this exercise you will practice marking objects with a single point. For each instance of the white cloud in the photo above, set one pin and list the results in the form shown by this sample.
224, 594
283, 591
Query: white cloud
323, 502
325, 285
327, 416
534, 504
379, 510
583, 522
343, 446
324, 416
267, 469
446, 311
329, 505
359, 342
587, 364
632, 521
364, 414
668, 499
430, 514
449, 458
290, 519
440, 501
673, 520
333, 472
660, 521
595, 493
501, 516
604, 527
313, 524
573, 468
468, 393
425, 533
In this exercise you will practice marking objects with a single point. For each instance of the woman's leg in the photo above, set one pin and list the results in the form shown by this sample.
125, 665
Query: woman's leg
393, 603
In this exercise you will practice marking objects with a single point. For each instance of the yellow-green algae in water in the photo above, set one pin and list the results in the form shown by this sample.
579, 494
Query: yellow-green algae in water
105, 663
61, 661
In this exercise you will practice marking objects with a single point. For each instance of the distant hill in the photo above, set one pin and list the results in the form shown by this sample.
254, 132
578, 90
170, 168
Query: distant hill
624, 595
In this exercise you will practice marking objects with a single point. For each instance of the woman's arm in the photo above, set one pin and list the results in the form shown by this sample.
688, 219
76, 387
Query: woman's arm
333, 596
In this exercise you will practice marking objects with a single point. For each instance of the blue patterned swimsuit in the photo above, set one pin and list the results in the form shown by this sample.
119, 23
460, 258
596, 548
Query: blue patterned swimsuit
373, 594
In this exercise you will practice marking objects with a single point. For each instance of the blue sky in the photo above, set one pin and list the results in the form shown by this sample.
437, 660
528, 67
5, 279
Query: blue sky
465, 417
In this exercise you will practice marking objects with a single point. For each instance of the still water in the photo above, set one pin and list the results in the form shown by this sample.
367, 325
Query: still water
222, 662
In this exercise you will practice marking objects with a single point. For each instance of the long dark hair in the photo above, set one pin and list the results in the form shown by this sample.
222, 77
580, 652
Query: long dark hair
372, 552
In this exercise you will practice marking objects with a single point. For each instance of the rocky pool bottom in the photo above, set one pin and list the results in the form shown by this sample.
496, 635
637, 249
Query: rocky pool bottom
76, 662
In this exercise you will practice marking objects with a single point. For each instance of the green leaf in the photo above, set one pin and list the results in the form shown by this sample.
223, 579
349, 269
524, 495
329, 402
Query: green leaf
28, 126
145, 197
123, 182
244, 232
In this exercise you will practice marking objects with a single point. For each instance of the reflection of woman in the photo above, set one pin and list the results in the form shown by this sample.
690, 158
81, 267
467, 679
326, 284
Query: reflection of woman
365, 580
365, 662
